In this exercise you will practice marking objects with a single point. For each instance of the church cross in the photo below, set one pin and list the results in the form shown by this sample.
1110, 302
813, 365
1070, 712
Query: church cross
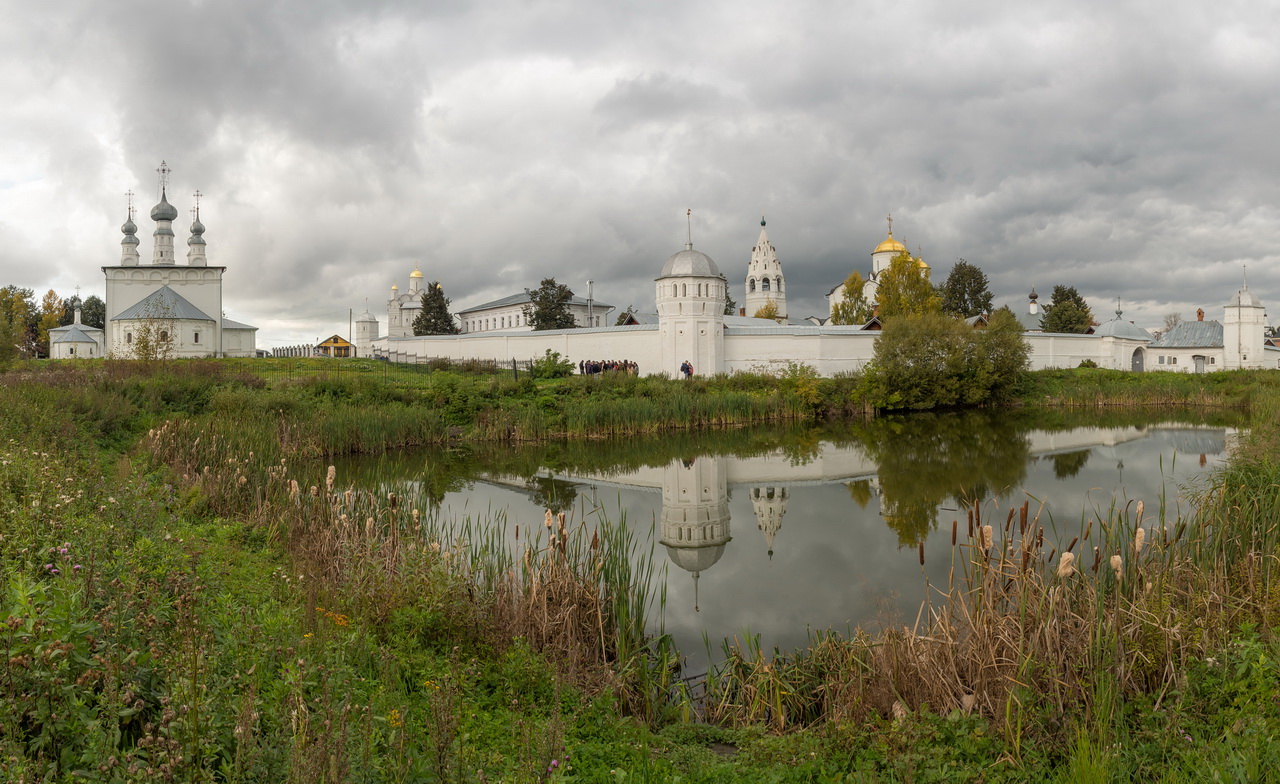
163, 171
197, 196
890, 218
130, 195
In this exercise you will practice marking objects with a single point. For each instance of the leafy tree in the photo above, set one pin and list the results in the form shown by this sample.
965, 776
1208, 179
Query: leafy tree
853, 307
730, 307
434, 319
10, 341
929, 360
50, 317
548, 306
903, 289
1067, 312
623, 316
93, 312
965, 292
769, 310
18, 308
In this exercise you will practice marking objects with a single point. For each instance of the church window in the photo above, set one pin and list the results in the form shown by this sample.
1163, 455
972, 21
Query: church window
779, 284
699, 289
764, 284
128, 337
751, 286
1161, 360
684, 289
164, 335
196, 338
1173, 360
73, 351
1213, 360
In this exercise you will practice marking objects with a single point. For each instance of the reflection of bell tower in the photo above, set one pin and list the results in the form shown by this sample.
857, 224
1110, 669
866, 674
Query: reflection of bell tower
695, 514
769, 504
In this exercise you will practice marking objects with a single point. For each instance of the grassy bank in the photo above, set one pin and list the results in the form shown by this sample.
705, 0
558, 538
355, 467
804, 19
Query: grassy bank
188, 599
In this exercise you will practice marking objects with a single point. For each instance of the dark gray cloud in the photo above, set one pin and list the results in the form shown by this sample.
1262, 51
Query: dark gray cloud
1102, 145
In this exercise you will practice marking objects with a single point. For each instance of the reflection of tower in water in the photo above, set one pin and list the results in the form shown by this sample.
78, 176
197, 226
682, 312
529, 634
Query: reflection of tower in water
769, 504
695, 514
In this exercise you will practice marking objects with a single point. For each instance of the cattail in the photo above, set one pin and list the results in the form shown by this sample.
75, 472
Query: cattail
329, 477
920, 544
1117, 566
970, 511
293, 489
1139, 518
1138, 538
1072, 546
1088, 528
548, 519
967, 702
955, 524
1008, 522
986, 537
1066, 566
1022, 516
899, 711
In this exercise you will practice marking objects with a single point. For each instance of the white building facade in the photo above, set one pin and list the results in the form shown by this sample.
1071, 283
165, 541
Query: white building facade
180, 306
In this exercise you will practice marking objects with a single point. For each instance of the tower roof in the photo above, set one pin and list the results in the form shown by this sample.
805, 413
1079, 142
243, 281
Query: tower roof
417, 273
163, 211
890, 245
690, 263
1245, 298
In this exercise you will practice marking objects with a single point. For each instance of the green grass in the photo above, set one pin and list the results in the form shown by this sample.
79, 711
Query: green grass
227, 630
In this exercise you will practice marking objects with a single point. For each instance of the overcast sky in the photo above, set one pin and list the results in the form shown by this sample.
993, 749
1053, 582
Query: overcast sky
1126, 148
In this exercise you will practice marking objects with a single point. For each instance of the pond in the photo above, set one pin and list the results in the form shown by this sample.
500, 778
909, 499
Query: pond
781, 531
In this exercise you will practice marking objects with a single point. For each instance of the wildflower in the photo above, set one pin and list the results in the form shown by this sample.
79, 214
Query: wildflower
1117, 565
1066, 566
393, 718
307, 636
76, 568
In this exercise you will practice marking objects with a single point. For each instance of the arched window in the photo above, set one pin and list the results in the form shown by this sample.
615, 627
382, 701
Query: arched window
128, 337
751, 286
684, 289
764, 284
779, 283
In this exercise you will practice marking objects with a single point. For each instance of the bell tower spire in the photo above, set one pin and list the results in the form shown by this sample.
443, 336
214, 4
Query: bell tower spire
163, 214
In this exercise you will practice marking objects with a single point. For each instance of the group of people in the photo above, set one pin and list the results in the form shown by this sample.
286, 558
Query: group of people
591, 367
686, 369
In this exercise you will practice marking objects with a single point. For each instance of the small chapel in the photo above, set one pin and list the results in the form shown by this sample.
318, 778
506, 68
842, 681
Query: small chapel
178, 307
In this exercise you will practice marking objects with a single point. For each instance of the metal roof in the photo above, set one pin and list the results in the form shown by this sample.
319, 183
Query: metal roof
72, 333
1191, 334
229, 324
690, 263
523, 298
166, 303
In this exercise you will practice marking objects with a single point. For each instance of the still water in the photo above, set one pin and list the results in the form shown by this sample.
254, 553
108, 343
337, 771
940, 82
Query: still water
779, 531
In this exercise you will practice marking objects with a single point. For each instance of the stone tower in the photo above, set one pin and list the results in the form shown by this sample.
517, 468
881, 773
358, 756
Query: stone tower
764, 282
1243, 331
690, 295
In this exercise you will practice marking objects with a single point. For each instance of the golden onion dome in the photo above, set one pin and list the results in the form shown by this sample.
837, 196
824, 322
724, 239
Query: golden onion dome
891, 245
417, 273
920, 263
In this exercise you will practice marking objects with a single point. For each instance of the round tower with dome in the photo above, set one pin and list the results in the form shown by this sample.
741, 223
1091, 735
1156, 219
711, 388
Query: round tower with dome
695, 514
690, 294
1244, 322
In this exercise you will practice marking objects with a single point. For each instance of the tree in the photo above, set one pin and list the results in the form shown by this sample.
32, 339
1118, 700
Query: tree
730, 307
548, 306
903, 289
10, 341
853, 307
50, 318
1067, 312
769, 310
434, 319
93, 312
929, 360
1172, 320
965, 292
18, 308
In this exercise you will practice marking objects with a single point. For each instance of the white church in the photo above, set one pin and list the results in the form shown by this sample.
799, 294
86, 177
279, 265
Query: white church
180, 305
690, 325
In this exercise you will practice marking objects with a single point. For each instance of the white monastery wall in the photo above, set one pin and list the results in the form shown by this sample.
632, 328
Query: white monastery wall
825, 352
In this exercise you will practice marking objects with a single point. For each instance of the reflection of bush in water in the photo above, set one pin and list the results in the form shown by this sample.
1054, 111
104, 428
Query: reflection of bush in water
554, 494
1068, 464
925, 459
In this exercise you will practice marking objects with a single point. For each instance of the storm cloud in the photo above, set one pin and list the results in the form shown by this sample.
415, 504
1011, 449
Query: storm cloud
1126, 151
